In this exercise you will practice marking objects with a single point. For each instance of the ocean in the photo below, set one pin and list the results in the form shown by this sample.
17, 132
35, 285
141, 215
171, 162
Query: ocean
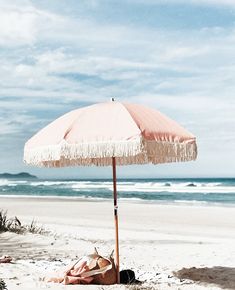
195, 191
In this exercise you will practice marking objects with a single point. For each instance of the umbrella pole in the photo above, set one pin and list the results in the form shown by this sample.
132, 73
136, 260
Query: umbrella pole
116, 218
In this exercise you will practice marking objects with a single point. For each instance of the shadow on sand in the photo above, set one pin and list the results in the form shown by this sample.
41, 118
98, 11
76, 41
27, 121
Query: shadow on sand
14, 245
223, 277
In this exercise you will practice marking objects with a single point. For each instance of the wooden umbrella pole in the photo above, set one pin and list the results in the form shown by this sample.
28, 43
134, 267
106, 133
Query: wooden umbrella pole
116, 218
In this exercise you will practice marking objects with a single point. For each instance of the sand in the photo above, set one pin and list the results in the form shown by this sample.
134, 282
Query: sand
168, 246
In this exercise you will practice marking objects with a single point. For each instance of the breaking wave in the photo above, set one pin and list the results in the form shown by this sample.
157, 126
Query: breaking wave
194, 191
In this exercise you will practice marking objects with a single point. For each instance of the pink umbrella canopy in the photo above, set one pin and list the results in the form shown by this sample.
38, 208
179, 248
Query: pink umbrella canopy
133, 134
111, 134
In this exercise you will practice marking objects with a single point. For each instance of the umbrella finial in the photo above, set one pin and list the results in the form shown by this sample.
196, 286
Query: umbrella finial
112, 99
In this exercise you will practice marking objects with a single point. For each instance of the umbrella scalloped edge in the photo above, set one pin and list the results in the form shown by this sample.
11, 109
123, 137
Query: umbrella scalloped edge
101, 153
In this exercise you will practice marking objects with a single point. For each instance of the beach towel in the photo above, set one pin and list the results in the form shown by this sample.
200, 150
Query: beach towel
91, 269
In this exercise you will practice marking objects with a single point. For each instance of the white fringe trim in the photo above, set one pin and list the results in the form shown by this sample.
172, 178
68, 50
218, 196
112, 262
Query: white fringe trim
165, 152
101, 153
81, 153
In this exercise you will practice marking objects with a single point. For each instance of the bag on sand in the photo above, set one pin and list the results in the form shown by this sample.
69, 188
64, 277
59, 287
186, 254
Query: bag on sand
91, 269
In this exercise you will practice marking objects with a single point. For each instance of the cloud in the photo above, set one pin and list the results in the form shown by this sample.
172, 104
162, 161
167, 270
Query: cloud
51, 62
229, 3
22, 24
165, 66
12, 123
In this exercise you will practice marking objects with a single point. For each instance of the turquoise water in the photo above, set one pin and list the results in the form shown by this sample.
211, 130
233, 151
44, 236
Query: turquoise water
219, 191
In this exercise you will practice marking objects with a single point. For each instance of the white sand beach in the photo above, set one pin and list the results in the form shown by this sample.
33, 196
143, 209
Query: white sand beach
156, 241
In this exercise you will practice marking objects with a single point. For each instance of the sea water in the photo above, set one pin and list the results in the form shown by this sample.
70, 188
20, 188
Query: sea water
198, 191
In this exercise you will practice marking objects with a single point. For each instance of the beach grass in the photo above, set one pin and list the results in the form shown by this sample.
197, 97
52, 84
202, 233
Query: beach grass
3, 285
14, 225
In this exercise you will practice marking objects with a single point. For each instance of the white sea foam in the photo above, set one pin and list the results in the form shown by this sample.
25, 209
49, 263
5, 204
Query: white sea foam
9, 182
108, 186
162, 191
177, 187
4, 182
81, 197
130, 186
51, 183
130, 198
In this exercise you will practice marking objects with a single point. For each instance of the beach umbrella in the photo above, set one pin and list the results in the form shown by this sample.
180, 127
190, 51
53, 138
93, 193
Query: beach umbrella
110, 134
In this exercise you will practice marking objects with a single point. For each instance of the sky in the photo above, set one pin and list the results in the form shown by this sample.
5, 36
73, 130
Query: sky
177, 56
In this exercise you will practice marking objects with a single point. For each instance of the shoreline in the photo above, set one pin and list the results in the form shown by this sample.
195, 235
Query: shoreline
148, 214
184, 203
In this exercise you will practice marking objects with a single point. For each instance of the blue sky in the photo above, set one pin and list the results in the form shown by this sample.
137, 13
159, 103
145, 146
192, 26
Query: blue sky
177, 56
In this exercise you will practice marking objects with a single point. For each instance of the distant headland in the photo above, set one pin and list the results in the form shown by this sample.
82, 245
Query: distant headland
17, 175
